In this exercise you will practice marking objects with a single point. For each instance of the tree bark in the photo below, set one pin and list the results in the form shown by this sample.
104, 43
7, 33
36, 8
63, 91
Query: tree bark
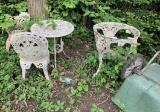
37, 8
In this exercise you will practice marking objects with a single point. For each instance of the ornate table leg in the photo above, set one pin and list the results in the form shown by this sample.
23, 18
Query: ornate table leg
55, 52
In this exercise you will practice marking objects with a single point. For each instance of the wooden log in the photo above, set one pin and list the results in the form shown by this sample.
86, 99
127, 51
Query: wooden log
37, 8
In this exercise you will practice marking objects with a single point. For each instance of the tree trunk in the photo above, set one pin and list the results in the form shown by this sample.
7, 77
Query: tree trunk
37, 8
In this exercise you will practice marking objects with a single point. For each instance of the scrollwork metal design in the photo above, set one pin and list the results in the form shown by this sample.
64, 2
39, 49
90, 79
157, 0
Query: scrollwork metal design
32, 49
108, 36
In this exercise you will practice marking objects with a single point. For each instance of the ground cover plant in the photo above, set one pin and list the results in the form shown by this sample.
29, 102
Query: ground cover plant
87, 94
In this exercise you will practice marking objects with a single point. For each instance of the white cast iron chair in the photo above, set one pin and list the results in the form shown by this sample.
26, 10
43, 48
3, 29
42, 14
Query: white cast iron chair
32, 49
109, 30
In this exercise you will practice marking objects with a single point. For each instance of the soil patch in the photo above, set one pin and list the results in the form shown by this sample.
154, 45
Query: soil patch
96, 95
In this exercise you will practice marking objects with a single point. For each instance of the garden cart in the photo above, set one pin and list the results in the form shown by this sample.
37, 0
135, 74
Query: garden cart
140, 91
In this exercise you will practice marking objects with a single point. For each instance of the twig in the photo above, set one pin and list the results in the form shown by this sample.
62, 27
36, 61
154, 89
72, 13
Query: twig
103, 101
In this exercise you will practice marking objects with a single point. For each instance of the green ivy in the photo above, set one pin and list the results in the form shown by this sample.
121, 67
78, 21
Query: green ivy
142, 14
10, 8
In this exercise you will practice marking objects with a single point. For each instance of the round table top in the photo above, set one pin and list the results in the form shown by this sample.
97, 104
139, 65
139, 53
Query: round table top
62, 28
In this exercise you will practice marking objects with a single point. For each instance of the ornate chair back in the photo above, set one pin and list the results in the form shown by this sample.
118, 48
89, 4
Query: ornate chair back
32, 49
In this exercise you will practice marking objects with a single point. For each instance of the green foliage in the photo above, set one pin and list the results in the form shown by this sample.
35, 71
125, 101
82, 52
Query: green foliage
5, 22
54, 73
9, 70
8, 9
26, 25
71, 100
121, 105
143, 15
47, 105
66, 62
67, 109
94, 108
59, 105
79, 89
76, 110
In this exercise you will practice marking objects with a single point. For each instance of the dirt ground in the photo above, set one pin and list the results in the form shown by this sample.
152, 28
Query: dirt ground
102, 98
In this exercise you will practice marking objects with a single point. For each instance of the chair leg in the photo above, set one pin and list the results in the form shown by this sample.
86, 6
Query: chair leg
100, 63
23, 73
43, 65
45, 72
24, 66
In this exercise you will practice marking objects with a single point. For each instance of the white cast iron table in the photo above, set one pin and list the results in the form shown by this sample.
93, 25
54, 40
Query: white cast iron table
62, 28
